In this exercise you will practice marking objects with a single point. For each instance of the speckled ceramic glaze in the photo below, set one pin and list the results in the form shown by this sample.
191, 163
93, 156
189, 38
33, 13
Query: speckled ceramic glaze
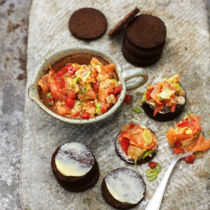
138, 73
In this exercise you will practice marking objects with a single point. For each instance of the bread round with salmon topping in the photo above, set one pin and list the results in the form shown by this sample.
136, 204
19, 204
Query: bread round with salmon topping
136, 144
164, 99
75, 167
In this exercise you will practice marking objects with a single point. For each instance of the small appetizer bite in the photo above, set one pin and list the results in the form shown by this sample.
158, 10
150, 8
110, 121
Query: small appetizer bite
75, 167
123, 188
187, 136
81, 91
135, 144
164, 100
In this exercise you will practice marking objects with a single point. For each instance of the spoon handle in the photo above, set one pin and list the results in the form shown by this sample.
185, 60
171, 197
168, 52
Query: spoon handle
155, 202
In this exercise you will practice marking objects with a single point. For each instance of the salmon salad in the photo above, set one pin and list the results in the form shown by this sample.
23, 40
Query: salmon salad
81, 91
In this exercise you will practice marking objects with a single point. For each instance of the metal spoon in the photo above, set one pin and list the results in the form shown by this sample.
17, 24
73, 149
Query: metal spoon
155, 202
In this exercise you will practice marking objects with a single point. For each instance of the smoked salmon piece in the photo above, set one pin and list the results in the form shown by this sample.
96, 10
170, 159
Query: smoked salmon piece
200, 144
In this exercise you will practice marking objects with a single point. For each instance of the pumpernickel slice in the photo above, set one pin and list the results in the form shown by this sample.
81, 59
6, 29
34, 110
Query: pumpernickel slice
139, 61
123, 188
75, 167
124, 22
165, 114
146, 31
145, 53
87, 23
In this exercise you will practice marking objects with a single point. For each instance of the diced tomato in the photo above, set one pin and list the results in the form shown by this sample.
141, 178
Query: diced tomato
128, 99
95, 87
104, 107
183, 123
131, 125
124, 144
152, 164
85, 115
177, 149
67, 69
61, 72
190, 158
71, 69
148, 94
117, 89
59, 82
76, 114
69, 102
72, 95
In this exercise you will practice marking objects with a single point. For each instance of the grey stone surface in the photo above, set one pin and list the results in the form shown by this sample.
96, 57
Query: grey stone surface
186, 52
13, 37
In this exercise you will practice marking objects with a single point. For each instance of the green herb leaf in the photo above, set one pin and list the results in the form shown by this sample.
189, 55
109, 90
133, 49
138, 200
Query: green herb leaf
158, 168
153, 178
135, 161
137, 110
151, 172
208, 132
147, 153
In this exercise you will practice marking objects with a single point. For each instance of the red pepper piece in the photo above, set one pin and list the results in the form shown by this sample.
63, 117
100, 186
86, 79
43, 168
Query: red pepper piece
117, 89
104, 107
70, 69
125, 144
183, 123
71, 95
69, 102
131, 125
76, 114
148, 94
177, 149
173, 107
190, 159
85, 115
152, 164
128, 99
95, 87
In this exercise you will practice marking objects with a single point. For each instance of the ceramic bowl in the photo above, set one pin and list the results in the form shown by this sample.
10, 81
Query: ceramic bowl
139, 74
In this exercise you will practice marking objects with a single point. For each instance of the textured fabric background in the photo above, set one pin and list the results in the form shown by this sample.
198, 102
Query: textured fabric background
186, 52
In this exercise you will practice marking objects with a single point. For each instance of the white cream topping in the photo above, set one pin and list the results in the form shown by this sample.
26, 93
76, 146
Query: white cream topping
74, 159
125, 185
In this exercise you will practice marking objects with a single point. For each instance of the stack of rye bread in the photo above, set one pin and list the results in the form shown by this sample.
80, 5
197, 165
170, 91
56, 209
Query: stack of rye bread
144, 38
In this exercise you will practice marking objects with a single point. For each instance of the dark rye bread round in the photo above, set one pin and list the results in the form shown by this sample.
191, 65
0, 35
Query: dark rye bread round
129, 160
165, 114
77, 183
108, 197
145, 53
124, 22
139, 61
146, 31
87, 23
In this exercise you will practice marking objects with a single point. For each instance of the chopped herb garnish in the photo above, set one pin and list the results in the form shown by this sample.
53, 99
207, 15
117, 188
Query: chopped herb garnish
148, 153
137, 110
153, 173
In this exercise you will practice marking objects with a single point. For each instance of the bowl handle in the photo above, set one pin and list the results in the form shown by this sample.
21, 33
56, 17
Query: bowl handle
140, 75
32, 92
